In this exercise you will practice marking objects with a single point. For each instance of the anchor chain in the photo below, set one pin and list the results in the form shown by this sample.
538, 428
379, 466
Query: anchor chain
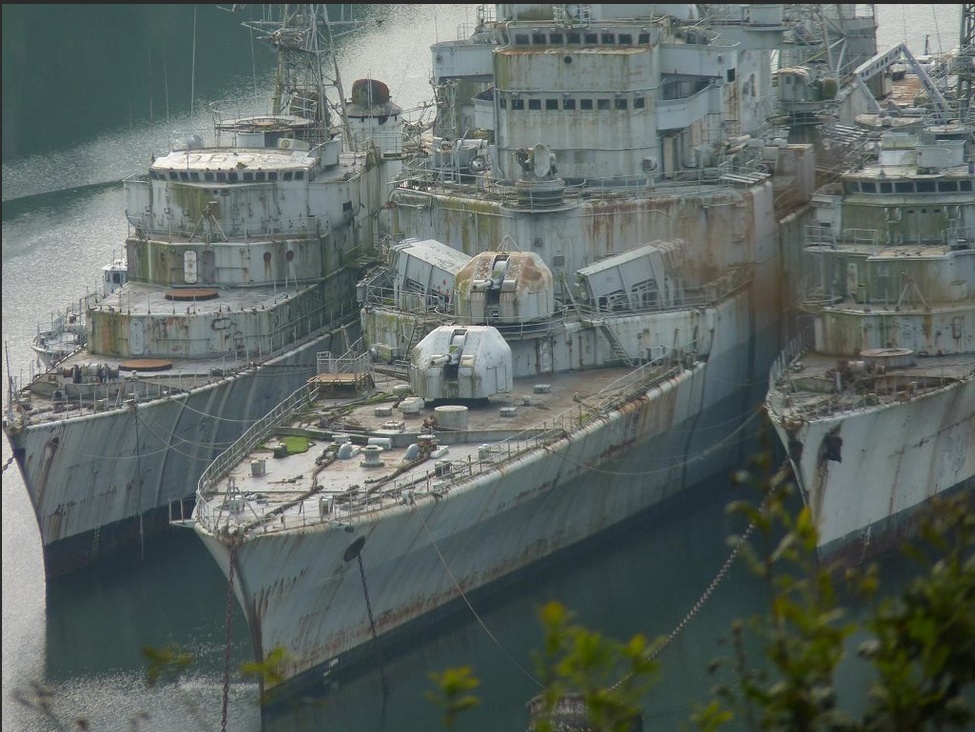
372, 623
711, 587
7, 464
230, 626
697, 605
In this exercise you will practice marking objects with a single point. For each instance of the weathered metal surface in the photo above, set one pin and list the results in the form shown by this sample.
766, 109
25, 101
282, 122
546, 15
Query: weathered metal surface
257, 236
876, 405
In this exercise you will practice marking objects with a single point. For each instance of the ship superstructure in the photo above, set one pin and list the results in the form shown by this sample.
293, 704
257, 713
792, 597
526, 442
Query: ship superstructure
875, 401
575, 321
242, 258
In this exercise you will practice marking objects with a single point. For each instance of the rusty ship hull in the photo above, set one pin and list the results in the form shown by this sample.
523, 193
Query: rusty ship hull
582, 308
332, 561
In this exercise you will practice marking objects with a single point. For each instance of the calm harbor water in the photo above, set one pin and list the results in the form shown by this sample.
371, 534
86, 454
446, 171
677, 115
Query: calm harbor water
99, 121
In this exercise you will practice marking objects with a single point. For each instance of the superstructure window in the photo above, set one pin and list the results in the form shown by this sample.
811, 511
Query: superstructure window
208, 177
521, 39
625, 39
535, 104
574, 39
261, 177
592, 38
926, 186
299, 175
639, 103
273, 175
585, 104
551, 104
248, 177
568, 104
643, 39
602, 104
609, 39
288, 175
621, 104
539, 39
556, 39
948, 186
232, 177
903, 187
173, 175
517, 103
184, 176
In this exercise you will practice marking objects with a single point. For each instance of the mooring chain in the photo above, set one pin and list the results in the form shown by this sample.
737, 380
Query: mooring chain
776, 479
7, 464
372, 623
230, 626
697, 605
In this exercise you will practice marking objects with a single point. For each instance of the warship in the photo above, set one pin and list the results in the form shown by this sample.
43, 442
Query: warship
874, 400
242, 257
574, 320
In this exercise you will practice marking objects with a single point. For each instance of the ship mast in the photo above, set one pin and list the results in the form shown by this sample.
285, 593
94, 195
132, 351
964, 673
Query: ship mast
965, 63
303, 38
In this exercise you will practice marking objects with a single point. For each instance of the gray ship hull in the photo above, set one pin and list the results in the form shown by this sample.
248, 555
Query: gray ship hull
137, 461
302, 591
892, 460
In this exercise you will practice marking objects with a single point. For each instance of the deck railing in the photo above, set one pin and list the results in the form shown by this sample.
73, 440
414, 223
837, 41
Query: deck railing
217, 512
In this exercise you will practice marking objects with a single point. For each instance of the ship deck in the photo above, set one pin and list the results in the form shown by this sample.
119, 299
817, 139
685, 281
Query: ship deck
289, 480
807, 388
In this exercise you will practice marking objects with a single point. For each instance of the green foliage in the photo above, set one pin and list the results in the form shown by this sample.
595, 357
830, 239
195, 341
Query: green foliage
452, 695
270, 670
924, 641
610, 677
922, 646
166, 664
